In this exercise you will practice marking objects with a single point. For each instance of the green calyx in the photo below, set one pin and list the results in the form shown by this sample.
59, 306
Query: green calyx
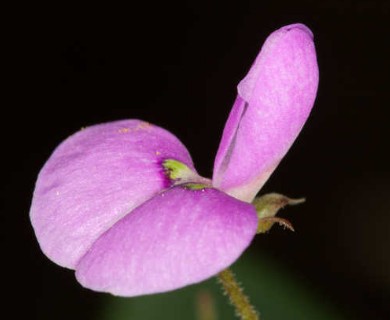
268, 205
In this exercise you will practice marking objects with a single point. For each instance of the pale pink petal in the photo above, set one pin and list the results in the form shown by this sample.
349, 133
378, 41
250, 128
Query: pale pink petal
93, 179
274, 101
177, 238
228, 140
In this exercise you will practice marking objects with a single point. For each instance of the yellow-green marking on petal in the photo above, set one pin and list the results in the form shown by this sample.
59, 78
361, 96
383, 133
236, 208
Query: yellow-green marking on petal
180, 173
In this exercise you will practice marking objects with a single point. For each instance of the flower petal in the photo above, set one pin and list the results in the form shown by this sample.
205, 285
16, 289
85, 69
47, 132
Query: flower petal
93, 179
179, 237
273, 103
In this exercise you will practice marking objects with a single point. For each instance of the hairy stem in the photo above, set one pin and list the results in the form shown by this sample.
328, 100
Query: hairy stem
237, 298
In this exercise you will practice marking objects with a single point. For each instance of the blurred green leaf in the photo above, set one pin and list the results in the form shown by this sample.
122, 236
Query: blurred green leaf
275, 292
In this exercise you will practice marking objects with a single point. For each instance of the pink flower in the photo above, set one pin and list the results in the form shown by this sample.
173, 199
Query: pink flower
121, 202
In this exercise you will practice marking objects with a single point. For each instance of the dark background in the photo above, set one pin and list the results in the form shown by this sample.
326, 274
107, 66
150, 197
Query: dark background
177, 66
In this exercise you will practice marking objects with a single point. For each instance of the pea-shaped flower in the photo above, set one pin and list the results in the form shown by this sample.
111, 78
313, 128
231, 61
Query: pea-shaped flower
121, 202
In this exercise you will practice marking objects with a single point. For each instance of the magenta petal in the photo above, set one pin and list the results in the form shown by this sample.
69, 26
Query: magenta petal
273, 103
93, 179
177, 238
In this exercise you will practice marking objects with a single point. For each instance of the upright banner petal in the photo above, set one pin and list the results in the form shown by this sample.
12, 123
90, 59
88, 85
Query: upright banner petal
273, 103
93, 179
179, 237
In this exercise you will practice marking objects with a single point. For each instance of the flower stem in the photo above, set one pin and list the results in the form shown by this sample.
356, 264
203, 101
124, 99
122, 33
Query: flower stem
237, 298
205, 306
